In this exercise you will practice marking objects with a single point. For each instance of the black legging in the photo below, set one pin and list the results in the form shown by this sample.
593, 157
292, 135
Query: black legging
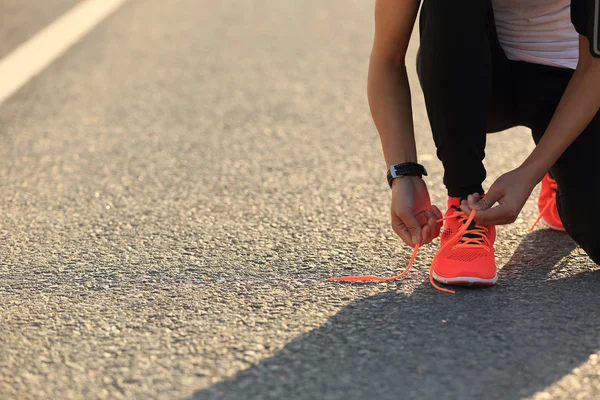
471, 88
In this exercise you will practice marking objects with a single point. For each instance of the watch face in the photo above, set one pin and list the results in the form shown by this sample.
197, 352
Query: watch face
407, 169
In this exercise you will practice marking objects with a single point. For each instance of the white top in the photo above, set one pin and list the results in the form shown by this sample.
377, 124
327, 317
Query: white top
537, 31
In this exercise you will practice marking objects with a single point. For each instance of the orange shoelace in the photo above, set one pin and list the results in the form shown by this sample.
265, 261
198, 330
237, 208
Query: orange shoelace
477, 238
552, 201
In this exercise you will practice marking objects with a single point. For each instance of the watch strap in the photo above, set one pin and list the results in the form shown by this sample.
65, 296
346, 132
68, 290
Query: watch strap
405, 169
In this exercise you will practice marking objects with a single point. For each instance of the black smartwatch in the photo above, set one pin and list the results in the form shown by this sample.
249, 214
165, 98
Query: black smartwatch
405, 169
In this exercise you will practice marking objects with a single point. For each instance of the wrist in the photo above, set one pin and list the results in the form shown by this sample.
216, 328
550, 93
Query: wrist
533, 173
403, 180
400, 153
402, 160
538, 163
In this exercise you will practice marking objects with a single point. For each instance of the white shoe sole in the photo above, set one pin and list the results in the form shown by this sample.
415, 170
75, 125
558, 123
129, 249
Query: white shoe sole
465, 280
554, 228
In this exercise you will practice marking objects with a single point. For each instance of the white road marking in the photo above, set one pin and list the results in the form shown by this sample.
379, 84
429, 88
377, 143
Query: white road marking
29, 59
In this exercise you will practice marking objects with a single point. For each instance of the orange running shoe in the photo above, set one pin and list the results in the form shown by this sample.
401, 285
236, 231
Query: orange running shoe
470, 259
547, 205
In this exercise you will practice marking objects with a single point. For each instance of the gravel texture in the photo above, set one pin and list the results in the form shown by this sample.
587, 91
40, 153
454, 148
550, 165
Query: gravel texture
176, 189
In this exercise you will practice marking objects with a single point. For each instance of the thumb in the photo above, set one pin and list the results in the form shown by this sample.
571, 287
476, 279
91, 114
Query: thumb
489, 199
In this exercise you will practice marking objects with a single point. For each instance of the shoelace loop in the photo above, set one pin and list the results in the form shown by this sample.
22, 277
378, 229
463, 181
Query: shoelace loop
478, 238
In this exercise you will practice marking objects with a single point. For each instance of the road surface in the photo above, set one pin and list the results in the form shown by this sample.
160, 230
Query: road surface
178, 186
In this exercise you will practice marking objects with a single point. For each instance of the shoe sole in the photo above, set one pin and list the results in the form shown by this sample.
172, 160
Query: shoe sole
554, 228
465, 280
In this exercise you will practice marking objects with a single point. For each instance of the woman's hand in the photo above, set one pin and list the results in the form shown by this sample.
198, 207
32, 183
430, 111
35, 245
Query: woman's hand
413, 216
510, 191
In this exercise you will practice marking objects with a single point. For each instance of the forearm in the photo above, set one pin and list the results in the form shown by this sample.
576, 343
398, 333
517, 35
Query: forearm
578, 106
390, 103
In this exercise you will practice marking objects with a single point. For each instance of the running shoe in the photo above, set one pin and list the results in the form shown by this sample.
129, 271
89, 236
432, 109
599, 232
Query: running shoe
465, 258
547, 205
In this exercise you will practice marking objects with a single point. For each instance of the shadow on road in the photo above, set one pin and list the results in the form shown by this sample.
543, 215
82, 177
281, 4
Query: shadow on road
507, 342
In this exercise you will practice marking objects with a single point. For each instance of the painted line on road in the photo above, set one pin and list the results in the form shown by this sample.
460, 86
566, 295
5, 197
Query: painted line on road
31, 57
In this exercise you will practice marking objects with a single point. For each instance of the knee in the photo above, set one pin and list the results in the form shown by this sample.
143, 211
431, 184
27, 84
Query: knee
593, 251
587, 240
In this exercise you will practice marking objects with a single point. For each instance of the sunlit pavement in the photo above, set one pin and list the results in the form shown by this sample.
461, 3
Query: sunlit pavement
176, 189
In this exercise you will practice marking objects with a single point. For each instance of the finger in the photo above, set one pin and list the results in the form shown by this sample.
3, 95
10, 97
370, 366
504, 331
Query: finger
473, 199
432, 221
465, 207
427, 221
401, 230
491, 197
428, 214
413, 226
469, 204
499, 215
422, 217
436, 212
434, 227
425, 234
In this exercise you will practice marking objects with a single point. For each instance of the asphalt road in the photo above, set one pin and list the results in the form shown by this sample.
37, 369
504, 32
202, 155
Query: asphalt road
175, 190
21, 19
